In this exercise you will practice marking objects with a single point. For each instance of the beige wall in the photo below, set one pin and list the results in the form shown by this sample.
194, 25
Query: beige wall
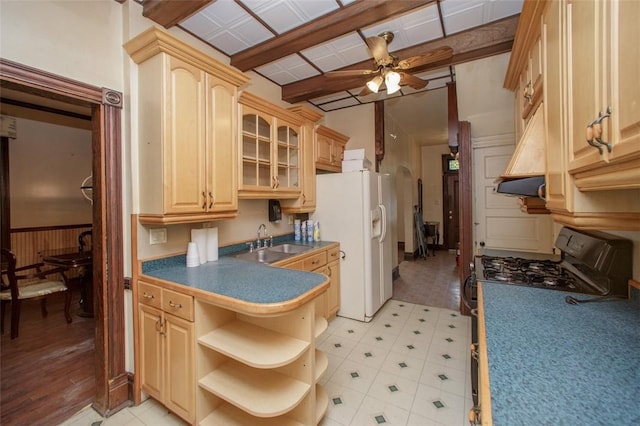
482, 100
47, 164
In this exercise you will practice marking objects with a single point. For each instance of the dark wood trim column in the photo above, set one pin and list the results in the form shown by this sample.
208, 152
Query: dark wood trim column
466, 204
379, 129
112, 383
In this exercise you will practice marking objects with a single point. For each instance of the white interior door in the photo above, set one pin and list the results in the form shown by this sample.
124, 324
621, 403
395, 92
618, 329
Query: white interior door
500, 224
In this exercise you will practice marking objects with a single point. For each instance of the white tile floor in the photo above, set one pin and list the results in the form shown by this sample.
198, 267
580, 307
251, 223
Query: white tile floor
409, 366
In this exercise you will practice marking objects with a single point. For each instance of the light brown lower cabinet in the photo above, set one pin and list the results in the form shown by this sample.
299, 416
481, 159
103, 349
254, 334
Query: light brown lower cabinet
212, 365
325, 261
167, 365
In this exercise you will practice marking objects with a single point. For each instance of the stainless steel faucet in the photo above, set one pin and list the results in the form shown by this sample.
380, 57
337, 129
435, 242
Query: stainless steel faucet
260, 228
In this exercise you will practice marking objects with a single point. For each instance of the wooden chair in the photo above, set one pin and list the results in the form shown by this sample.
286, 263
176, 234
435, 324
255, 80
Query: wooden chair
36, 285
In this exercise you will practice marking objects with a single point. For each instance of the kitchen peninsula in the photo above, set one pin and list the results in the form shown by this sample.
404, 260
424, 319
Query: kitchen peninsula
231, 341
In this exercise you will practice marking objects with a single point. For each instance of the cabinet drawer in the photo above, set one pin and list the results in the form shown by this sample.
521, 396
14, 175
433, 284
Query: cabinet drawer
315, 261
333, 254
150, 294
177, 304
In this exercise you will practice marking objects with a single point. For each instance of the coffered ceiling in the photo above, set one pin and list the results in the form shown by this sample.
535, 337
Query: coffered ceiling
295, 43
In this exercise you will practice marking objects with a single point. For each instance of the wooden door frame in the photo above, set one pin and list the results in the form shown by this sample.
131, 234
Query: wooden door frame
445, 191
112, 381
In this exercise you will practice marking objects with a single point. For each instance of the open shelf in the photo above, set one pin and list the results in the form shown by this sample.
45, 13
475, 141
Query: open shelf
321, 326
322, 403
228, 415
322, 363
262, 393
253, 345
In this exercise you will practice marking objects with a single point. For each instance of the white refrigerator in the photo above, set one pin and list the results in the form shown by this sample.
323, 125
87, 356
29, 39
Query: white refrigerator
352, 208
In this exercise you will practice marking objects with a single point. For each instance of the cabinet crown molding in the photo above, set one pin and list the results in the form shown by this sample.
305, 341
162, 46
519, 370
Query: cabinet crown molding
156, 40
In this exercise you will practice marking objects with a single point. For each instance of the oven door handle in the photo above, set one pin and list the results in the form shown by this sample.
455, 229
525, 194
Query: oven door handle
469, 282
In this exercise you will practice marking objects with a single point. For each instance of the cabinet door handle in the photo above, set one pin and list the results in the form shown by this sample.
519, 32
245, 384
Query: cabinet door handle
148, 296
175, 305
594, 132
329, 272
204, 200
304, 199
315, 262
160, 326
211, 199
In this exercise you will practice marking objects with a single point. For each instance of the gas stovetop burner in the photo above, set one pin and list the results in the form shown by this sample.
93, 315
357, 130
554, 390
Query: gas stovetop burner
534, 273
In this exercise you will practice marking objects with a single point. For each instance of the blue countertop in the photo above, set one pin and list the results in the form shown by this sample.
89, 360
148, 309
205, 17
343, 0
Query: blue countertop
238, 279
552, 363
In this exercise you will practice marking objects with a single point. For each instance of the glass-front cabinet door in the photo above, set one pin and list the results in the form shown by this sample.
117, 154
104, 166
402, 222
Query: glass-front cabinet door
256, 151
288, 158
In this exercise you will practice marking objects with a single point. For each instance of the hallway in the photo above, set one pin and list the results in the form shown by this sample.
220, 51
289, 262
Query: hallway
433, 281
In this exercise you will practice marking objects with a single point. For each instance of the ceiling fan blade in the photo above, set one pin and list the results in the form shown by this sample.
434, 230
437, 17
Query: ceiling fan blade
435, 55
350, 73
412, 81
378, 47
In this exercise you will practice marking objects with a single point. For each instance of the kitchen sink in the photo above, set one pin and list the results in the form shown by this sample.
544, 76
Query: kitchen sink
263, 256
290, 248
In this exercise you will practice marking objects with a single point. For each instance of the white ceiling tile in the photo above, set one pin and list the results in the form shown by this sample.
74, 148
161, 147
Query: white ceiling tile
288, 70
231, 30
338, 53
284, 15
411, 28
501, 9
460, 15
443, 72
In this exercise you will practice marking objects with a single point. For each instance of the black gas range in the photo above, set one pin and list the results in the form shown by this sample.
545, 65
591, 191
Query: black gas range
596, 264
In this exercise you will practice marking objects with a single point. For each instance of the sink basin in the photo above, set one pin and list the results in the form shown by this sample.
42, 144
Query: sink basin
289, 248
263, 256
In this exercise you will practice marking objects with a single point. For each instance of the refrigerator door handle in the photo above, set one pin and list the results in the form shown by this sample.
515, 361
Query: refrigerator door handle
383, 232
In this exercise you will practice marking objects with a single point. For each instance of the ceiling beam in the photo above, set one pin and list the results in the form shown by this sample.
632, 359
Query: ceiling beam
170, 12
476, 43
342, 21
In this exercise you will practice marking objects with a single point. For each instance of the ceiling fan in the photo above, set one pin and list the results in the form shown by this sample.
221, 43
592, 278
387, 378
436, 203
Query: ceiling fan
389, 69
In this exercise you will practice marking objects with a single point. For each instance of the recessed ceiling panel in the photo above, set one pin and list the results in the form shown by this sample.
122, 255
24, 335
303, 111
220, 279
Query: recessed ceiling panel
227, 26
287, 70
411, 28
284, 15
338, 53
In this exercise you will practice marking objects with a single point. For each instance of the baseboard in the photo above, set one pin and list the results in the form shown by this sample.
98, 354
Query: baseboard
395, 273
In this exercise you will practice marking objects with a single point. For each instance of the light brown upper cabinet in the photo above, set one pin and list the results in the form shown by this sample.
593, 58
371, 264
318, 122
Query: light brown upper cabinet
587, 67
270, 152
604, 94
187, 119
329, 149
306, 202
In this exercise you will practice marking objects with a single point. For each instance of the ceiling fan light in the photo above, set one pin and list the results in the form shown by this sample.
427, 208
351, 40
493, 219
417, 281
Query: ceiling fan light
392, 78
374, 84
392, 88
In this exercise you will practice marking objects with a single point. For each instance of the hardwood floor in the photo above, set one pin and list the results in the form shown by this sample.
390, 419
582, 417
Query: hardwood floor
47, 373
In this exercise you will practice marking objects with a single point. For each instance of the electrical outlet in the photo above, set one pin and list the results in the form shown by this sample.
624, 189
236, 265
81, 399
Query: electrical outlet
157, 236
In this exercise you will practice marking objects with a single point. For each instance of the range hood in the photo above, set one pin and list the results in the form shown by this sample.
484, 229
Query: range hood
524, 176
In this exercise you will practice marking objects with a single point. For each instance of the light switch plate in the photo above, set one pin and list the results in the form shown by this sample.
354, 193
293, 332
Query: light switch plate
157, 236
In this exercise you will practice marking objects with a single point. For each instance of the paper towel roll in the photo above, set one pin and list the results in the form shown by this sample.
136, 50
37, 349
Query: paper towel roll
199, 236
212, 244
